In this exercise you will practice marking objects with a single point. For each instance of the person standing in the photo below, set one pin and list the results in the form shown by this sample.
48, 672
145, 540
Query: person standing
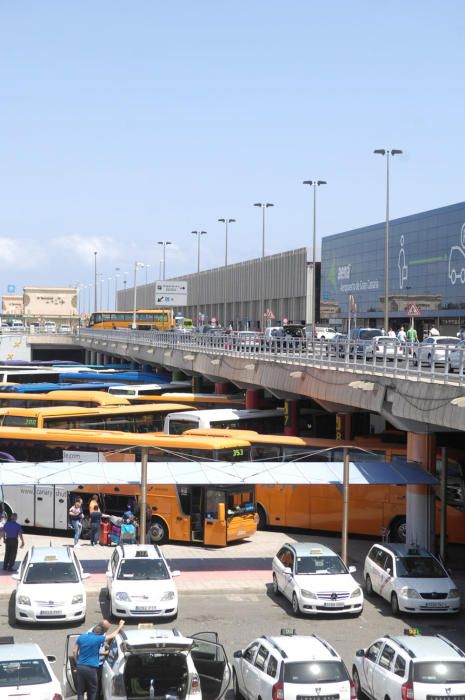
92, 503
95, 520
412, 336
12, 531
402, 335
76, 515
392, 333
433, 331
86, 654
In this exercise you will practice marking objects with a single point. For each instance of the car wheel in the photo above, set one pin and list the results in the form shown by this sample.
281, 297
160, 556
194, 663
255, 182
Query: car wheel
368, 586
276, 590
295, 605
237, 693
158, 531
357, 686
394, 605
398, 530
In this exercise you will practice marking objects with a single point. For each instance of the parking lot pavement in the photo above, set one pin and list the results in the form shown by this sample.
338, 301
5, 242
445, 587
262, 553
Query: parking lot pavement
245, 566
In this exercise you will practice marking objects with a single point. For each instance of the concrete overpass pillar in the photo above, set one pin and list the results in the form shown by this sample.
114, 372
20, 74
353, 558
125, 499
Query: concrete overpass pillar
291, 417
196, 384
343, 426
221, 387
177, 375
252, 398
420, 499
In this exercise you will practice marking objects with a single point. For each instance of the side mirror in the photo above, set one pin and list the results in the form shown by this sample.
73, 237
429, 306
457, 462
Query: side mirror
360, 653
51, 658
176, 572
16, 577
84, 576
352, 569
238, 654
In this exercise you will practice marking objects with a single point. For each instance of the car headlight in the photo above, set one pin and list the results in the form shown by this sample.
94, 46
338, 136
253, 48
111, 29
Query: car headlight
77, 599
24, 600
169, 595
122, 595
356, 592
307, 594
453, 593
409, 592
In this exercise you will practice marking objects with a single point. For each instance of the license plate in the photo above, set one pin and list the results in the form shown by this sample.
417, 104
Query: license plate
50, 612
141, 608
241, 532
435, 605
333, 604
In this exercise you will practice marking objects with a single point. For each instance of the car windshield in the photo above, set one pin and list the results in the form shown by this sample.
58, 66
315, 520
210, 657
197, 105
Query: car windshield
143, 570
367, 335
55, 572
320, 565
439, 672
419, 567
23, 672
315, 672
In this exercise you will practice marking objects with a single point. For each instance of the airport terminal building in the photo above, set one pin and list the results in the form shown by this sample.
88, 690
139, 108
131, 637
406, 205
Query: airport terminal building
426, 271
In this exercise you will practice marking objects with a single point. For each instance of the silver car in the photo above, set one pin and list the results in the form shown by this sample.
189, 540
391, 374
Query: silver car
434, 350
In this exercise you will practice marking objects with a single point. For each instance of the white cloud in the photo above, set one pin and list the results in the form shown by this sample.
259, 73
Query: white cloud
84, 247
25, 254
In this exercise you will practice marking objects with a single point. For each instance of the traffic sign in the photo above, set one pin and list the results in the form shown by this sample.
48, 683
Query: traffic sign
171, 293
269, 315
413, 310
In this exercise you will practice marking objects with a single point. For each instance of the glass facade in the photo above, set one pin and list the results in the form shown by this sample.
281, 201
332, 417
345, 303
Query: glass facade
426, 268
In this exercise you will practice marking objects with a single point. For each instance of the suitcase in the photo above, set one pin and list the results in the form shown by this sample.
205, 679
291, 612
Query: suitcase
105, 533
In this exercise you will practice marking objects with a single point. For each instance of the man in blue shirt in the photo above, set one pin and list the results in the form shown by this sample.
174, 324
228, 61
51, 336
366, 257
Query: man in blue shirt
11, 531
86, 653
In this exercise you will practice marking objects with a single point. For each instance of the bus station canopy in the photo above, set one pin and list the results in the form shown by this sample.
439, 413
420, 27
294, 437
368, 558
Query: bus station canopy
213, 473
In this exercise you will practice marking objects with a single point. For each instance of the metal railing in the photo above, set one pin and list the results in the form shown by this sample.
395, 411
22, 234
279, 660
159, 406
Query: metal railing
439, 364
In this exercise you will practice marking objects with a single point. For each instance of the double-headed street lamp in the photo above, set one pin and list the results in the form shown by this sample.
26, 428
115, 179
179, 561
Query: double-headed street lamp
225, 222
95, 281
264, 206
117, 271
314, 184
163, 260
199, 234
387, 153
136, 266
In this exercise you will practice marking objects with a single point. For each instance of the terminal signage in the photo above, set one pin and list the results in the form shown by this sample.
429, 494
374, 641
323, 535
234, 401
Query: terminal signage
171, 293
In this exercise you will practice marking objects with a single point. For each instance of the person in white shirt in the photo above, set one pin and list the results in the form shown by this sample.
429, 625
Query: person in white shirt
433, 331
402, 335
391, 333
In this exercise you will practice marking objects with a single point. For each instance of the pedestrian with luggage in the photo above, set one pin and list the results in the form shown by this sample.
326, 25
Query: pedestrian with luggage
95, 520
86, 654
12, 531
76, 516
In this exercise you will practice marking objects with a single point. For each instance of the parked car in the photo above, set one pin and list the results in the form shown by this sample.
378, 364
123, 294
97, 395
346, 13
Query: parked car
456, 358
403, 667
64, 328
319, 332
315, 580
434, 350
50, 586
337, 346
17, 326
290, 666
140, 583
25, 672
361, 339
158, 663
249, 341
50, 327
411, 579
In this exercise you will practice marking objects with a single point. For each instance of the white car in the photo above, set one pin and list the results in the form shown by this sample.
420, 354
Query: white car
385, 348
292, 667
25, 672
411, 579
50, 586
456, 358
140, 583
158, 663
434, 350
316, 580
404, 667
64, 328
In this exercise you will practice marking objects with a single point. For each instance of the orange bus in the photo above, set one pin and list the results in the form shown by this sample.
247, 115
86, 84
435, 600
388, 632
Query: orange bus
146, 319
61, 397
373, 509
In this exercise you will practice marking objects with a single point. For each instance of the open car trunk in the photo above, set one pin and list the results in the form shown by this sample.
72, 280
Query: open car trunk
165, 674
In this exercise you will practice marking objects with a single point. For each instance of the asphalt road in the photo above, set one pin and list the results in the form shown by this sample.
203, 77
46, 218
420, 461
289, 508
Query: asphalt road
239, 618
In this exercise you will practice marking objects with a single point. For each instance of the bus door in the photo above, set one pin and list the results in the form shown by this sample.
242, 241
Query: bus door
180, 525
61, 508
44, 502
215, 528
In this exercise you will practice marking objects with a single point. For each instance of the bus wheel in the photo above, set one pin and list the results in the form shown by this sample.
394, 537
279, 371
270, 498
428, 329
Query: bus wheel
398, 530
158, 532
261, 518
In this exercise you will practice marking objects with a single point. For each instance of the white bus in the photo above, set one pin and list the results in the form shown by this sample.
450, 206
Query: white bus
269, 421
147, 389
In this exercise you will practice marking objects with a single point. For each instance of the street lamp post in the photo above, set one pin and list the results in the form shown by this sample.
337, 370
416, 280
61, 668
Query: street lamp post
264, 206
225, 222
314, 184
199, 234
136, 266
146, 269
163, 260
95, 281
117, 270
387, 153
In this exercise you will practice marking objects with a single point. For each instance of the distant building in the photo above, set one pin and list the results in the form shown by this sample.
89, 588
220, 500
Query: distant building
12, 306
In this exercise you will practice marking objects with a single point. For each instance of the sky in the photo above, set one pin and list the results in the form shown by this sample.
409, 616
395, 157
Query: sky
128, 122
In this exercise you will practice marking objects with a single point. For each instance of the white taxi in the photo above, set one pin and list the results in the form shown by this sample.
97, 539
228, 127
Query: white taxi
140, 583
25, 672
50, 586
316, 580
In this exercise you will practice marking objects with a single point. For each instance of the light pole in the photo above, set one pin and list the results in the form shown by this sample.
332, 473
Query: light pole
108, 293
314, 184
225, 222
264, 206
117, 270
199, 234
146, 268
163, 260
387, 153
95, 281
136, 265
